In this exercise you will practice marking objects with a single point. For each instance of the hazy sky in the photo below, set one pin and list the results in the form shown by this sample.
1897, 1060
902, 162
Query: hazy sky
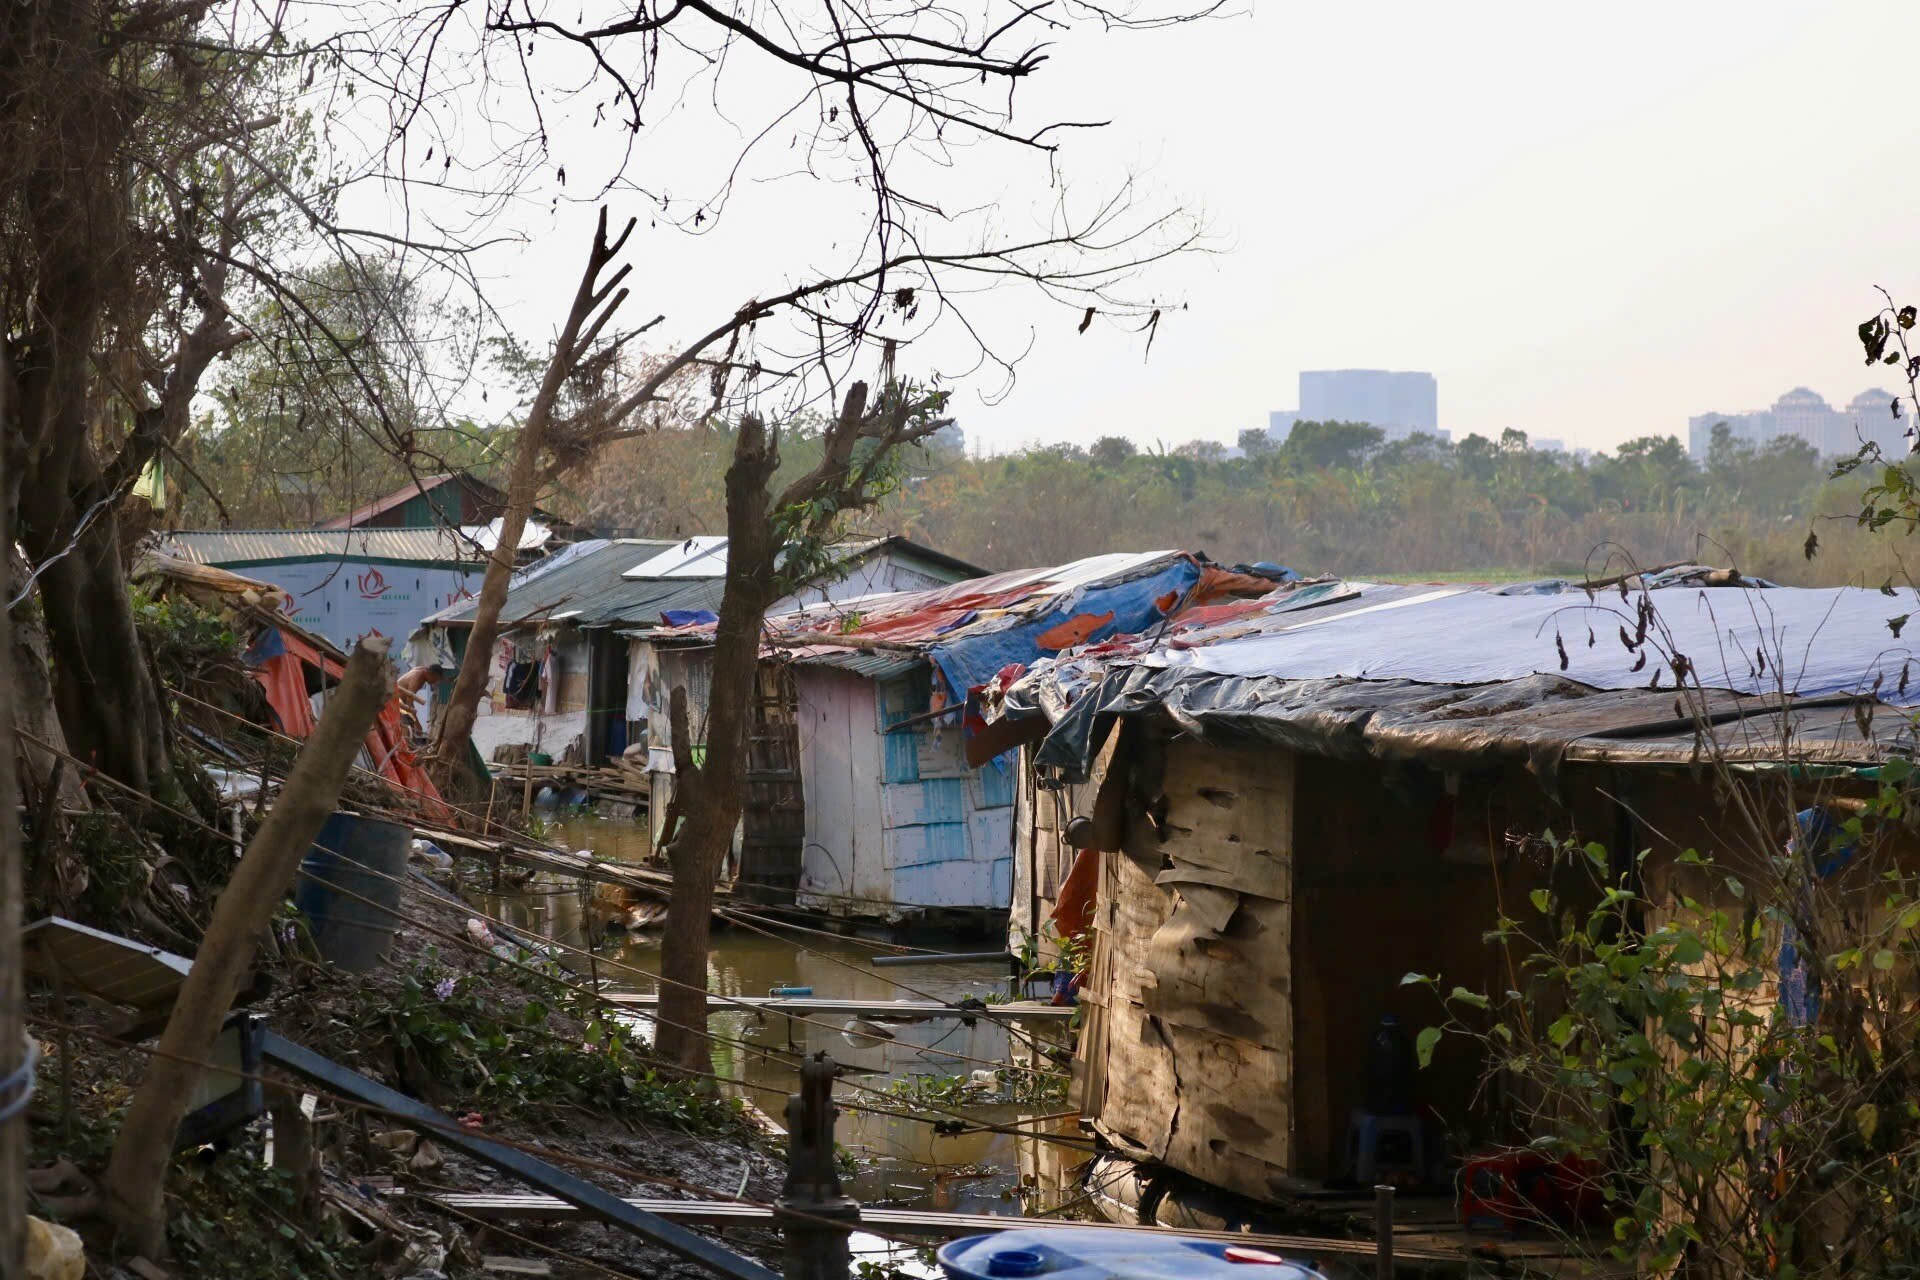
1587, 222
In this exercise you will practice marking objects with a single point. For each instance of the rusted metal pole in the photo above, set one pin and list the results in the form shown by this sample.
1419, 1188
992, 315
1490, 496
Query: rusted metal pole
815, 1215
1383, 1233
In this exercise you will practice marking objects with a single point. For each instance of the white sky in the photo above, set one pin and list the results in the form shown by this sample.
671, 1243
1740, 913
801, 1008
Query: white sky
1588, 222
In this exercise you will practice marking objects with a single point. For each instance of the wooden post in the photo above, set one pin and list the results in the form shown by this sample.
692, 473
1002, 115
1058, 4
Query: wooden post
1383, 1233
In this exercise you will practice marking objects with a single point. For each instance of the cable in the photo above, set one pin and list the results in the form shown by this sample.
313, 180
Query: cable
549, 1154
532, 841
705, 1033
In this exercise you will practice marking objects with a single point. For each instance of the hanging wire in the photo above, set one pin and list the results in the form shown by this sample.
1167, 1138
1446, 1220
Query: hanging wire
599, 998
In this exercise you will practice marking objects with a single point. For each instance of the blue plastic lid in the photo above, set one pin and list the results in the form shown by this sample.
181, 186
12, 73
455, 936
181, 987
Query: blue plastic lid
1094, 1253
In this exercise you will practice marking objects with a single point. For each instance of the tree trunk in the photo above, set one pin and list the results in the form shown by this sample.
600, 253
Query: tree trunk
13, 1133
103, 688
449, 755
448, 760
33, 705
708, 796
136, 1175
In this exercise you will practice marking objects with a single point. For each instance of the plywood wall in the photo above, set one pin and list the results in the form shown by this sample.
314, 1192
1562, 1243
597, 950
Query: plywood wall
1188, 1051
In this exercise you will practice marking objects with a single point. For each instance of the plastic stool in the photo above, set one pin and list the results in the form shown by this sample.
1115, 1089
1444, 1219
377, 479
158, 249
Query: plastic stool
1378, 1144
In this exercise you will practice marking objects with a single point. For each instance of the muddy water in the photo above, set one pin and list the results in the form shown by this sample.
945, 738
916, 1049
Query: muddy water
900, 1162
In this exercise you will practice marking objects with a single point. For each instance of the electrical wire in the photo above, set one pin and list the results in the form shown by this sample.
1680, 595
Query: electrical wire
458, 940
512, 835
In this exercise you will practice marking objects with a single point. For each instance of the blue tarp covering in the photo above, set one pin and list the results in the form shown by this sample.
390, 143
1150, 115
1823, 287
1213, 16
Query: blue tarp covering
689, 617
1102, 612
1832, 641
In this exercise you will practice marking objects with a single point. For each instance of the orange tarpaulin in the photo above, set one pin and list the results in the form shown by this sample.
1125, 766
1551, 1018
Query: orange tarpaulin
387, 744
279, 660
1073, 909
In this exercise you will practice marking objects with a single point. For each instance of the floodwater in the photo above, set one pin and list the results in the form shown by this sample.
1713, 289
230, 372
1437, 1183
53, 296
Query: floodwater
901, 1162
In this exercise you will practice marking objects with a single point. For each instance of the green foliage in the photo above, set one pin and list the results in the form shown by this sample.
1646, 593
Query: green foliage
507, 1058
1013, 1085
235, 1218
1650, 1040
184, 640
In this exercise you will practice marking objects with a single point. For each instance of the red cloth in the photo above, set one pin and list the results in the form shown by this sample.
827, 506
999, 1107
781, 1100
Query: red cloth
285, 682
394, 759
1073, 909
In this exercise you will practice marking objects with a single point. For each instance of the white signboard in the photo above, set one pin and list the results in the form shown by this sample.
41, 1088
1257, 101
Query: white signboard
346, 599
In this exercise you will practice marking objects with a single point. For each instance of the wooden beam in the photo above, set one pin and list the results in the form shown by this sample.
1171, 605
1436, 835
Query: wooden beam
907, 1010
930, 1223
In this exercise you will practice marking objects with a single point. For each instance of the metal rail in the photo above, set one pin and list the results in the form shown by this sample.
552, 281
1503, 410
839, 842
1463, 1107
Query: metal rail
561, 1186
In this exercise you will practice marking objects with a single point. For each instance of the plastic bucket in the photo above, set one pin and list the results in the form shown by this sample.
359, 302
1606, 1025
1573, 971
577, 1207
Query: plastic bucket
353, 858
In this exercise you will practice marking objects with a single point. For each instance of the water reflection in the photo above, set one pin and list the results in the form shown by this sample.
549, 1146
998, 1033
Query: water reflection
901, 1162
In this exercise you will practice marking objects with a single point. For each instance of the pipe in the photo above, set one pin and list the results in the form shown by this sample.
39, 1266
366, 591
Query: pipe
945, 957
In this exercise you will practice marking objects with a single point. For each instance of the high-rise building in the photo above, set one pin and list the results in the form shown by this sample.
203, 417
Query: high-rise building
1805, 415
1375, 396
1398, 403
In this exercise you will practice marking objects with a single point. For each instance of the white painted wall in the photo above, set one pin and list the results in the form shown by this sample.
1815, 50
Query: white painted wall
840, 760
873, 576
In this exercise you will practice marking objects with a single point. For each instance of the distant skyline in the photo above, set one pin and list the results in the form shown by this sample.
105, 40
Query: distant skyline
1590, 226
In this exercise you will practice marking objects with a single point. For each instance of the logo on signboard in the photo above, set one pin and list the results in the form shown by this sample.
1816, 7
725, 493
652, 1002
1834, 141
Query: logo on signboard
372, 584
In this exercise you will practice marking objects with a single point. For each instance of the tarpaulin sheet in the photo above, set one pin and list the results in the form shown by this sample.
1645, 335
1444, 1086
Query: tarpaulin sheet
971, 658
279, 663
281, 673
1537, 719
1815, 642
394, 760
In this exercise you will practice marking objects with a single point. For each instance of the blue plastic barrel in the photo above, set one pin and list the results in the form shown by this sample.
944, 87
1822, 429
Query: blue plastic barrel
1089, 1253
367, 859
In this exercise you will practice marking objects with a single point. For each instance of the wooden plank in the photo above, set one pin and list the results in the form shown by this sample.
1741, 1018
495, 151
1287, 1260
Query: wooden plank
925, 1222
816, 1006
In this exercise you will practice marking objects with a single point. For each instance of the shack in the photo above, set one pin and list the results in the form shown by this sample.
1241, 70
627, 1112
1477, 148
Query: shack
451, 500
893, 819
348, 583
571, 682
1257, 819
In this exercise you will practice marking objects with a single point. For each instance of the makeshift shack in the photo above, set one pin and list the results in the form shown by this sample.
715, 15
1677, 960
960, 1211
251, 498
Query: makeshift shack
895, 819
571, 681
1279, 807
348, 583
295, 667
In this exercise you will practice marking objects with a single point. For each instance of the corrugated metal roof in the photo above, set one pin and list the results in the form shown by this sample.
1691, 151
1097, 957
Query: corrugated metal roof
230, 547
588, 588
875, 665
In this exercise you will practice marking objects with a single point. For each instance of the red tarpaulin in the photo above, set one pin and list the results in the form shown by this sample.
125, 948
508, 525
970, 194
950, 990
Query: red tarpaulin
279, 660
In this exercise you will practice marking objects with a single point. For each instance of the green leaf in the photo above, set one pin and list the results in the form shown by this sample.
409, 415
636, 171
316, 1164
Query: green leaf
1542, 901
1883, 959
1423, 1044
1561, 1031
1688, 950
1465, 996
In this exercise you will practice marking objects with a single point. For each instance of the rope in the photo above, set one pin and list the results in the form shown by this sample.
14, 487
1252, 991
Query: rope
20, 1080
